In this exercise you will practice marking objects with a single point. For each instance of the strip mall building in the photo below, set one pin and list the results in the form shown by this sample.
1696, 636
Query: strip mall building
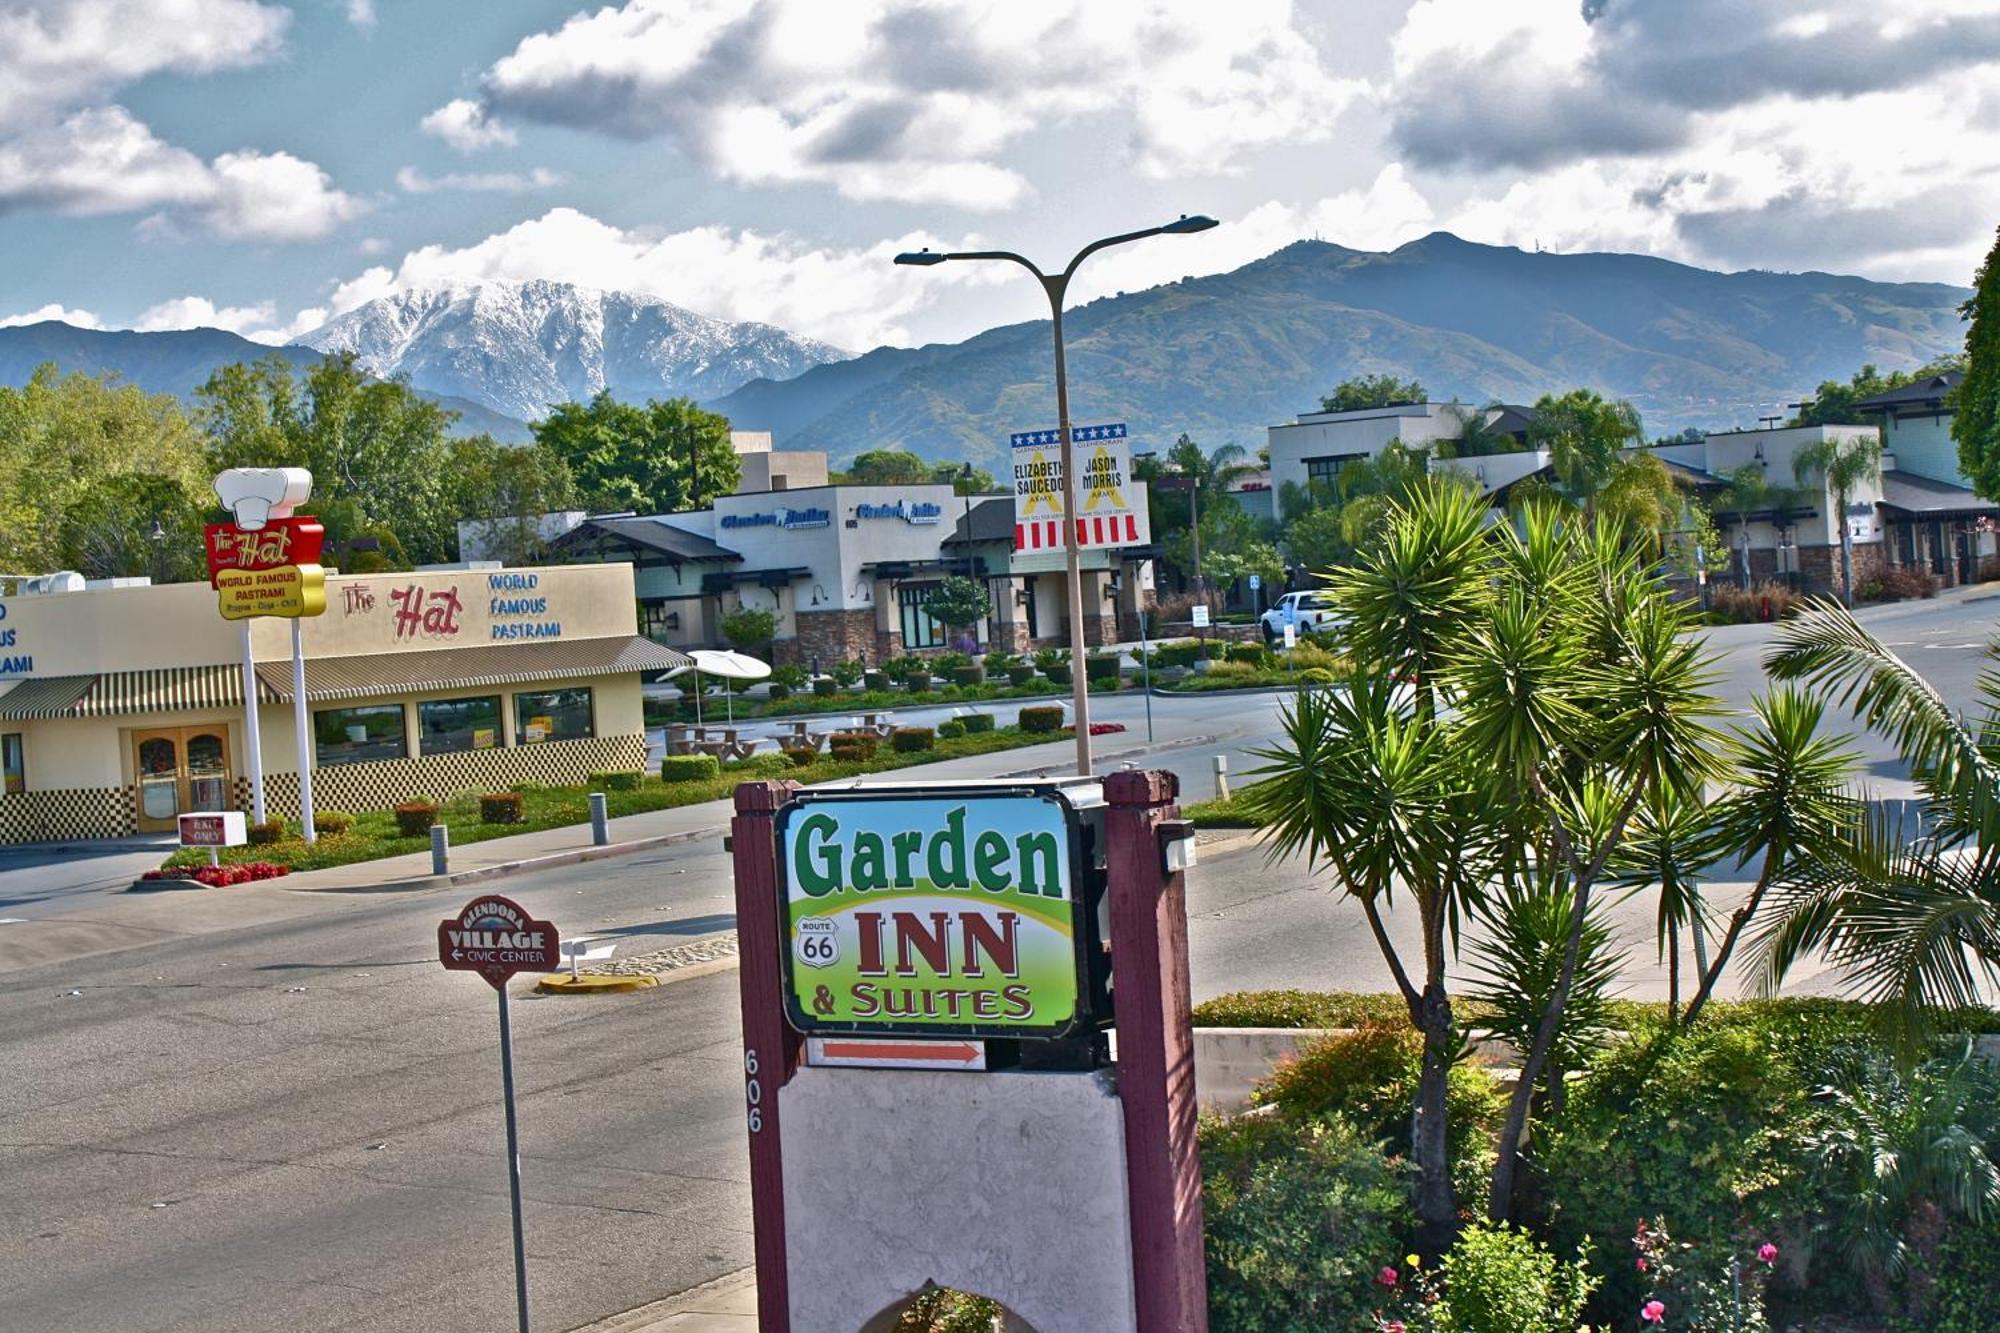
121, 707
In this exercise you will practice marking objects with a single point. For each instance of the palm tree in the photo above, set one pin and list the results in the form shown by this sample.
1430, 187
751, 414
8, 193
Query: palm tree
1747, 492
1910, 914
1842, 463
1584, 433
1673, 844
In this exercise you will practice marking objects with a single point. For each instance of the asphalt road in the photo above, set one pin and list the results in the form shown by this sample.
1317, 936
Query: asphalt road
295, 1123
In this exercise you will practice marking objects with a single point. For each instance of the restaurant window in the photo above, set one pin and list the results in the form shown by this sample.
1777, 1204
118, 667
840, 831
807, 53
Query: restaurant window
921, 629
552, 715
352, 735
447, 726
13, 763
1326, 469
656, 622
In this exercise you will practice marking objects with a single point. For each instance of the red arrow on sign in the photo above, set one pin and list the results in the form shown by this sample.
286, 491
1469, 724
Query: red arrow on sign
949, 1053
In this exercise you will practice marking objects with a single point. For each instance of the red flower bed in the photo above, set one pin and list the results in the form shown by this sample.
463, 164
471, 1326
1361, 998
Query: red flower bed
216, 877
1099, 728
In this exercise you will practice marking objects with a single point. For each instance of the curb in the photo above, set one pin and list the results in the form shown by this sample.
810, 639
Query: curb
593, 984
551, 861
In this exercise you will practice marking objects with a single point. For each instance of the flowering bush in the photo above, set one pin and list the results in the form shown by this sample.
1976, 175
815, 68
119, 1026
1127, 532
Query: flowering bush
1096, 728
216, 877
1496, 1279
1701, 1299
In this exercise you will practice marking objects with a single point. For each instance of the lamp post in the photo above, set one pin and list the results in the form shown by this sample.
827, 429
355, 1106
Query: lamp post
1055, 286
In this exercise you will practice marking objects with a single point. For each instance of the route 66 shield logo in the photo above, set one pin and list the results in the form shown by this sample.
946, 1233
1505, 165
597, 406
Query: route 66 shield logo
817, 943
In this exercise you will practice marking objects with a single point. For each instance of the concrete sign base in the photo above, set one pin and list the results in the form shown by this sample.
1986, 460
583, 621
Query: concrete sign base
908, 1177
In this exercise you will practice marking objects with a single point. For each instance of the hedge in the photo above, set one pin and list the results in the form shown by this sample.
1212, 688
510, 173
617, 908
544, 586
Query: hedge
875, 680
909, 740
826, 685
968, 675
951, 728
621, 780
414, 818
266, 833
500, 807
977, 722
1020, 674
1101, 666
1042, 718
690, 768
1246, 652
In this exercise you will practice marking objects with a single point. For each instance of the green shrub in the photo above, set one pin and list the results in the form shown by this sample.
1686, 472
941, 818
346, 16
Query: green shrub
918, 682
266, 833
1500, 1280
1020, 673
1368, 1077
529, 788
910, 740
968, 675
852, 747
1177, 653
1245, 652
1302, 1009
617, 780
1965, 1283
791, 675
846, 673
500, 807
951, 729
876, 680
976, 723
689, 768
764, 764
779, 690
1101, 666
332, 823
824, 685
1059, 674
1298, 1217
802, 756
414, 818
1317, 676
1040, 718
1051, 657
1236, 673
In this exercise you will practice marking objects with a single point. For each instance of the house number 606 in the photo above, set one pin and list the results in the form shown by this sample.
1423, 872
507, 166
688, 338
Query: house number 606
753, 1090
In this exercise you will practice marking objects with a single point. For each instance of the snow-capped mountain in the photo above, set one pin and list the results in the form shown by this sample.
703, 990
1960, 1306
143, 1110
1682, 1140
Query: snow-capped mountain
520, 346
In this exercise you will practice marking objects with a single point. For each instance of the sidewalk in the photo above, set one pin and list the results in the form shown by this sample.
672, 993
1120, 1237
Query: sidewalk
726, 1305
547, 848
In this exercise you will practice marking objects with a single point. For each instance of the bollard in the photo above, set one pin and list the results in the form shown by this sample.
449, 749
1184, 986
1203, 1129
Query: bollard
440, 850
1222, 777
600, 820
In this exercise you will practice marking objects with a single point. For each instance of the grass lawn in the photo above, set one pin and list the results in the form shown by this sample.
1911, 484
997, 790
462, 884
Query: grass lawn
714, 709
1232, 813
374, 835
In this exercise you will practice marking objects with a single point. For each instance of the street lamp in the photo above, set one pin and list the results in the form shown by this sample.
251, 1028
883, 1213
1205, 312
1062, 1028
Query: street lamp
1055, 286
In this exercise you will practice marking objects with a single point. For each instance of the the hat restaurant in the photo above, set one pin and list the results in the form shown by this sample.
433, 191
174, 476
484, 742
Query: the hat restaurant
122, 706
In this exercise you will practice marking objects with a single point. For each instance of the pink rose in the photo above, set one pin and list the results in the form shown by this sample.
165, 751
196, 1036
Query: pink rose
1653, 1312
1642, 1265
1394, 1326
1768, 1252
1387, 1277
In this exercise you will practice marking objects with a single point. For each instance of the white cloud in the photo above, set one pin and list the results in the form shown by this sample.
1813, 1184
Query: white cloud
464, 125
412, 181
920, 102
81, 319
105, 160
361, 13
55, 53
854, 298
258, 322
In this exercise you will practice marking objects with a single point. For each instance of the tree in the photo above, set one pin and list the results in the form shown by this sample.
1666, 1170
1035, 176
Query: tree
1584, 434
1646, 500
507, 489
373, 442
891, 467
80, 440
749, 628
1911, 915
629, 457
1748, 491
1975, 425
1833, 403
1477, 434
1190, 480
1372, 391
965, 479
1842, 464
959, 602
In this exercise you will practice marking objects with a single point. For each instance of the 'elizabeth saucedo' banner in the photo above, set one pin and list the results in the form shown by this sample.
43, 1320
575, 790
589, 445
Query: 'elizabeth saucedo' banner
950, 915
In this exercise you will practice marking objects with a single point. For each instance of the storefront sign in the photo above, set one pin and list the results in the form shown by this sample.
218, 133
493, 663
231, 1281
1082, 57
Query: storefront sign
782, 518
949, 915
430, 613
519, 609
12, 663
290, 591
1109, 510
910, 511
213, 828
496, 938
280, 542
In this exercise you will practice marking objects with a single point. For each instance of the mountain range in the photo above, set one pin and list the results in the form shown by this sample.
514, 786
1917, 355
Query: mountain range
1218, 357
1221, 357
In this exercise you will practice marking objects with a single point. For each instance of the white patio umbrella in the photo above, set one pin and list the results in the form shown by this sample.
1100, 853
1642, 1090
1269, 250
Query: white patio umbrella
730, 666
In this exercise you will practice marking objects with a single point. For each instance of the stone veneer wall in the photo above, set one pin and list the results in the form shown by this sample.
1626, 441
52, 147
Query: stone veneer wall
830, 636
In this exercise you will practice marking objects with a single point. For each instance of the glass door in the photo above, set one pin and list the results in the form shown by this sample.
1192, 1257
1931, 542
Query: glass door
158, 771
13, 763
207, 768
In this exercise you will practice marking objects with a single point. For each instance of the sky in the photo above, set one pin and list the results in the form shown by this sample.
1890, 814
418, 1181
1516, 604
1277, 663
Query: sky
262, 166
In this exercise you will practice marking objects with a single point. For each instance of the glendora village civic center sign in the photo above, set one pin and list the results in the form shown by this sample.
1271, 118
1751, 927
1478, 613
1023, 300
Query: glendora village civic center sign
955, 916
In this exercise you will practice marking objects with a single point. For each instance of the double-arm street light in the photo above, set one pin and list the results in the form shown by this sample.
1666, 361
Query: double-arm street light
1056, 286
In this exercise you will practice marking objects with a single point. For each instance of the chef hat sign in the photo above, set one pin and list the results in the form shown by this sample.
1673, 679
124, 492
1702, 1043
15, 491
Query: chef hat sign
256, 495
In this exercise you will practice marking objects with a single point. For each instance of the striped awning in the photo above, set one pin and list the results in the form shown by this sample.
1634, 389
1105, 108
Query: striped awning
121, 693
377, 675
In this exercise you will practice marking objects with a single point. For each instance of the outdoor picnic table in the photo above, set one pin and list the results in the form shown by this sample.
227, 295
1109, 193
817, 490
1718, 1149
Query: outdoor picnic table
722, 742
794, 736
878, 723
677, 738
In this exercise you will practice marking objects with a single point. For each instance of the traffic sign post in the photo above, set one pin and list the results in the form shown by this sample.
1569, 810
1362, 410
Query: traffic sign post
496, 938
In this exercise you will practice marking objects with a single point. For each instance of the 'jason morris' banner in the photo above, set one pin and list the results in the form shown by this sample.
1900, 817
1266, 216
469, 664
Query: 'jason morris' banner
1111, 510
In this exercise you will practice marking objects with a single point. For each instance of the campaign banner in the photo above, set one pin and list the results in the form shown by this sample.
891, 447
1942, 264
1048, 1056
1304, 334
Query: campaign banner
948, 915
1110, 509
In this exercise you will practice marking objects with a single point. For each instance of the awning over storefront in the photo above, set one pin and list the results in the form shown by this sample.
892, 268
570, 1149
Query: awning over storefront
381, 674
121, 693
1909, 498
